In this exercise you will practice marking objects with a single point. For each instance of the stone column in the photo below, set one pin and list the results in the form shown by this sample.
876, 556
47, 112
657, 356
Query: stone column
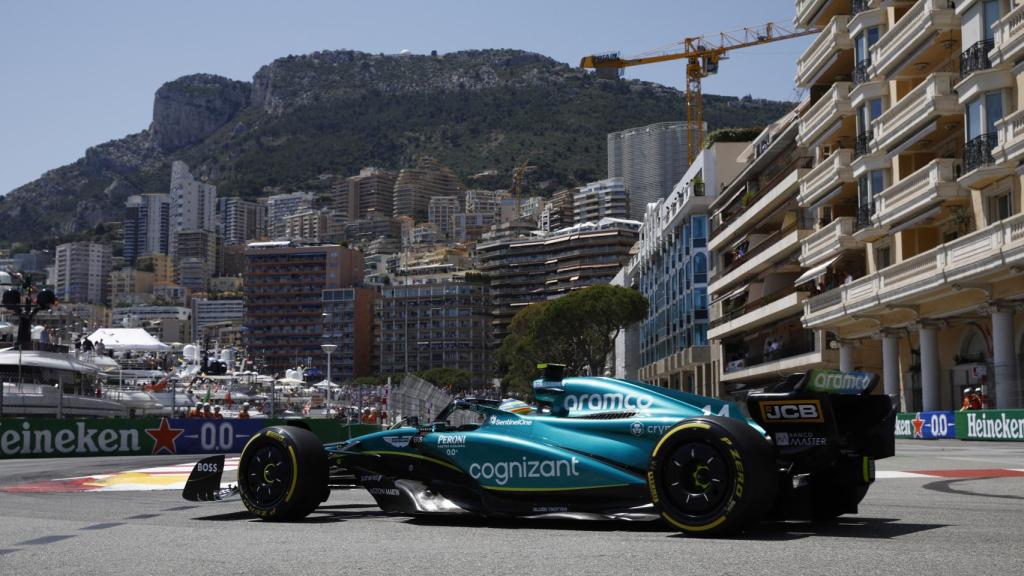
929, 340
846, 355
891, 368
1007, 390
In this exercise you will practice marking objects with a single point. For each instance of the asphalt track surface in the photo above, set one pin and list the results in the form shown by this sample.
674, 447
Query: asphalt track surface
906, 525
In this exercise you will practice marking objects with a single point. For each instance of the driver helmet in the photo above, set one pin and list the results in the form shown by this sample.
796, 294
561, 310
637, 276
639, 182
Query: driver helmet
515, 406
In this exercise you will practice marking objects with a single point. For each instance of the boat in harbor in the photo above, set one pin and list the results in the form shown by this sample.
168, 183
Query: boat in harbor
48, 382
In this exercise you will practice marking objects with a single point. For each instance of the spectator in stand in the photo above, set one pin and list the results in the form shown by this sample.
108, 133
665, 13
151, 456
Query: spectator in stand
244, 412
965, 404
977, 400
216, 413
206, 411
196, 412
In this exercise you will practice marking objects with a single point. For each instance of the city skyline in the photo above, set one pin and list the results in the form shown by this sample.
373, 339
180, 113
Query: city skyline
94, 69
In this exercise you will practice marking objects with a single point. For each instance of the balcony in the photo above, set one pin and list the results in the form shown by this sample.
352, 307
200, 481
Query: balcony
777, 195
981, 166
760, 258
925, 188
825, 113
1011, 138
862, 145
865, 229
1009, 38
981, 256
930, 100
975, 58
811, 13
788, 365
760, 315
829, 241
828, 175
910, 40
825, 54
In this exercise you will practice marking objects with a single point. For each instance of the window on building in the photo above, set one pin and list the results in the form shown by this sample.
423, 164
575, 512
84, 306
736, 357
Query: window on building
883, 256
863, 42
866, 113
1000, 206
982, 113
869, 186
700, 268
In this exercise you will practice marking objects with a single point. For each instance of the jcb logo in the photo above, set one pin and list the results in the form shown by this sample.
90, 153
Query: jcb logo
803, 411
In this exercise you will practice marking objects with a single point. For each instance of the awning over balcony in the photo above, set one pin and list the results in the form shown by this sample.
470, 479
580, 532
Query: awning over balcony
816, 272
731, 294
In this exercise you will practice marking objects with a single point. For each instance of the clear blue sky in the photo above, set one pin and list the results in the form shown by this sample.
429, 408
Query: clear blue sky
81, 72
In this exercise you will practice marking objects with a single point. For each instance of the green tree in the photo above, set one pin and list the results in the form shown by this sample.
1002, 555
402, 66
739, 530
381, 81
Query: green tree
451, 378
577, 330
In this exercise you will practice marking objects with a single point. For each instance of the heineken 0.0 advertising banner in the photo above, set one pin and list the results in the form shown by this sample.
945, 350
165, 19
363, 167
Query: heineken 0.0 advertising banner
990, 425
48, 438
925, 425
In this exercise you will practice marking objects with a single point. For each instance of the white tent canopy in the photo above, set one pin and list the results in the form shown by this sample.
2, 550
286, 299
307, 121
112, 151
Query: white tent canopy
127, 339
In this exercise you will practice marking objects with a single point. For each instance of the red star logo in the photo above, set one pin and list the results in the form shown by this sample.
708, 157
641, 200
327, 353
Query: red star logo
918, 424
163, 437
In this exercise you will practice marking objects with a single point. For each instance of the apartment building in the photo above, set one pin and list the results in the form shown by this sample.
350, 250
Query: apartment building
650, 160
757, 227
284, 301
369, 192
146, 225
914, 123
348, 324
309, 226
606, 198
542, 266
440, 211
206, 312
82, 271
416, 186
196, 259
442, 324
193, 205
559, 211
485, 202
240, 221
670, 267
280, 206
130, 286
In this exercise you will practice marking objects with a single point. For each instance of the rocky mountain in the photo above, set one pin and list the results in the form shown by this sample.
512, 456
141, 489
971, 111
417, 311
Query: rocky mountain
334, 112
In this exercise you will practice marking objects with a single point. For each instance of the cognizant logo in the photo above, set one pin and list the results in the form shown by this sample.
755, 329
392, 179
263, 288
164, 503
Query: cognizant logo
502, 472
606, 402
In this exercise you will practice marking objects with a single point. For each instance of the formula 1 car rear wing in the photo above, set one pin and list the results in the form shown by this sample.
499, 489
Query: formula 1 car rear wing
818, 416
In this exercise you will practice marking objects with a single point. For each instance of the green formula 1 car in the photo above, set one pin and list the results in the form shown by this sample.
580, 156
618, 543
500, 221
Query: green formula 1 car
593, 446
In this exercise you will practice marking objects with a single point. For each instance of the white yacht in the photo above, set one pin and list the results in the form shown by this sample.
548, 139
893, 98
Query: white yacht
52, 383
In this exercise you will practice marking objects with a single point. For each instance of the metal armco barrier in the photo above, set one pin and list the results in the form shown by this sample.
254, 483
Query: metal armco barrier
49, 437
1003, 425
926, 425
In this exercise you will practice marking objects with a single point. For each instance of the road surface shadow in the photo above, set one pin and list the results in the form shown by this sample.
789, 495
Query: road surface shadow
844, 527
322, 515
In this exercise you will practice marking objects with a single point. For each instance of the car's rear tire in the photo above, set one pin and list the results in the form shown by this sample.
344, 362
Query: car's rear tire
712, 476
283, 473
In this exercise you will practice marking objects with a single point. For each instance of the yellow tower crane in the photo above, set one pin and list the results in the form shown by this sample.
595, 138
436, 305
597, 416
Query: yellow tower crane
702, 55
518, 174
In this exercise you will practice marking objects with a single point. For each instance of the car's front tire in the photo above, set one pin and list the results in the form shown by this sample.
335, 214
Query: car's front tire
712, 476
282, 473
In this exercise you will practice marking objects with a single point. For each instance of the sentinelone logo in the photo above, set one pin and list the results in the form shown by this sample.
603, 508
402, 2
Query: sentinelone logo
502, 472
1002, 428
77, 439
